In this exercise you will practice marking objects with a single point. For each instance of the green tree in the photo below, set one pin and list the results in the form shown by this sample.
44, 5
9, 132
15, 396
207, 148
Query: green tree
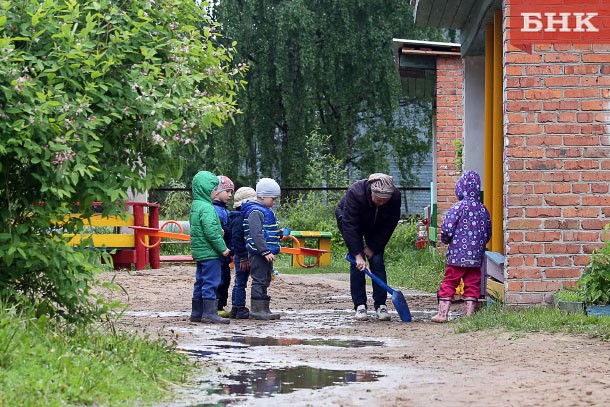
95, 99
325, 65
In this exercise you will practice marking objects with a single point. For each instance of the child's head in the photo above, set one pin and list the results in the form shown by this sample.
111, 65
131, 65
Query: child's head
224, 190
242, 195
469, 185
267, 191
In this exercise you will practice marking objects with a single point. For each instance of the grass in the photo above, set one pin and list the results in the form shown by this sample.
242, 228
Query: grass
43, 363
536, 319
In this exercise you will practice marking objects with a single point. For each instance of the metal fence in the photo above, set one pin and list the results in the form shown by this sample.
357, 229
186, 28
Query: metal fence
175, 202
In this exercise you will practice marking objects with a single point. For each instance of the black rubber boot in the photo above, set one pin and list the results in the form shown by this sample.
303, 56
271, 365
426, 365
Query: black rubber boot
210, 313
197, 310
258, 310
238, 312
268, 311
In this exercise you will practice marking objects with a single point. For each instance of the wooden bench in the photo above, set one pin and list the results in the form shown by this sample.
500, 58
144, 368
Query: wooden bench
323, 242
493, 275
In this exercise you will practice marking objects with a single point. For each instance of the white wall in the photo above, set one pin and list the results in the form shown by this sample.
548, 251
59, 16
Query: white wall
474, 113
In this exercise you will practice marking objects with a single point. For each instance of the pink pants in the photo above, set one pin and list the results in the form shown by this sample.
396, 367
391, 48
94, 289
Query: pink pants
471, 277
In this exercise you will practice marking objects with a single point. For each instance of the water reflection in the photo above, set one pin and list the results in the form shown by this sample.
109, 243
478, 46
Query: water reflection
270, 341
264, 383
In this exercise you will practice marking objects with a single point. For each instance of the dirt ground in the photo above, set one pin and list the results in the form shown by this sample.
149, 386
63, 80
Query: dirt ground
417, 364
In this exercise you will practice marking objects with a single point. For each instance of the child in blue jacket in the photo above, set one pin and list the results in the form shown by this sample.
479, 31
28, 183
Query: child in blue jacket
263, 244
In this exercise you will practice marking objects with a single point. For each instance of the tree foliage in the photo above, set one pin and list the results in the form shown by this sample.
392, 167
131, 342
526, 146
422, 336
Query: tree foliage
316, 64
95, 99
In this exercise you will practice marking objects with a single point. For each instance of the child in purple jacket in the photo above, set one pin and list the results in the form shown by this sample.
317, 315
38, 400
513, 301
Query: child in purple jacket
466, 229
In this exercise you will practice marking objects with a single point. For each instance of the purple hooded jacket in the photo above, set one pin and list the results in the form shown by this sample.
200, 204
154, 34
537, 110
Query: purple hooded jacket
467, 225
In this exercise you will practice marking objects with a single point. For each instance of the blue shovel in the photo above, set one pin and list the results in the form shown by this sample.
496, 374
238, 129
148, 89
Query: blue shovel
398, 299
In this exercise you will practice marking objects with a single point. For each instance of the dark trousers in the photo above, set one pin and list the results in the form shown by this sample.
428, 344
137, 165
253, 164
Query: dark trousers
207, 278
260, 271
238, 296
357, 282
222, 292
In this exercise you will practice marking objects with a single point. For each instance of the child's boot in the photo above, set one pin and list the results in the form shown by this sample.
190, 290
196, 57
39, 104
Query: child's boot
258, 310
268, 311
239, 312
470, 305
443, 310
210, 313
197, 310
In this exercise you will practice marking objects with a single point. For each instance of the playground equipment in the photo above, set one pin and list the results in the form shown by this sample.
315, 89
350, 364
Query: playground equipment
156, 234
128, 249
142, 247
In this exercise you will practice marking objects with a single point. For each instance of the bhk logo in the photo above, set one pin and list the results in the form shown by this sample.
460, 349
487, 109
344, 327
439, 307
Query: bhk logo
558, 22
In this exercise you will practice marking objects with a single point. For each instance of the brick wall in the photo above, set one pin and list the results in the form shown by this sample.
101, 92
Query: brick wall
557, 165
449, 126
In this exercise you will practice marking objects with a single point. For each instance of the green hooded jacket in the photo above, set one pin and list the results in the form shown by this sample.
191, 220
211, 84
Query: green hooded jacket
206, 233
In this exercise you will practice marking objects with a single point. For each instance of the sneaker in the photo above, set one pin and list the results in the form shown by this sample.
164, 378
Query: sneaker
382, 313
361, 313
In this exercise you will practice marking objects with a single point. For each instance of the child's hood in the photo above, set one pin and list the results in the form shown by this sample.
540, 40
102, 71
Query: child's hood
203, 185
468, 185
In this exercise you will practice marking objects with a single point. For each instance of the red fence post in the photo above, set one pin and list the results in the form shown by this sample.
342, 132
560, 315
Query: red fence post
138, 220
153, 222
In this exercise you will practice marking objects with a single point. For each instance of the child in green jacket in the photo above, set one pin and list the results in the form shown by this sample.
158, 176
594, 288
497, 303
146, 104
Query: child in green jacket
208, 248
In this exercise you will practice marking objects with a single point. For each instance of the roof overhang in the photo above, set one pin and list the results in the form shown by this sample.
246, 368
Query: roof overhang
468, 16
416, 64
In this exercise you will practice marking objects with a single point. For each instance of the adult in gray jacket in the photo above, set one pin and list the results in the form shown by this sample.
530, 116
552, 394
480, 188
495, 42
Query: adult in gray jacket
367, 216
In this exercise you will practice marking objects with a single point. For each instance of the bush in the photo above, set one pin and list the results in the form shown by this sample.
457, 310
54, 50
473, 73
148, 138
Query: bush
595, 281
93, 94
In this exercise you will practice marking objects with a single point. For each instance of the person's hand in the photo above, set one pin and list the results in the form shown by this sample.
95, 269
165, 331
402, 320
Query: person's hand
270, 257
244, 265
226, 253
360, 262
368, 252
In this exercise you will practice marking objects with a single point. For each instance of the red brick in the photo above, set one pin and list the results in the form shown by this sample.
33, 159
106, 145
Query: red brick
593, 105
525, 152
561, 248
563, 261
543, 70
542, 236
570, 140
561, 224
552, 141
580, 212
542, 212
563, 152
518, 224
543, 165
542, 94
542, 286
593, 224
561, 177
526, 248
573, 272
562, 128
581, 165
561, 81
524, 273
562, 200
581, 69
596, 57
561, 57
544, 261
581, 93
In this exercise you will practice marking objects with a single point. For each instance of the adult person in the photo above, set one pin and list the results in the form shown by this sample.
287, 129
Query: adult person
367, 216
